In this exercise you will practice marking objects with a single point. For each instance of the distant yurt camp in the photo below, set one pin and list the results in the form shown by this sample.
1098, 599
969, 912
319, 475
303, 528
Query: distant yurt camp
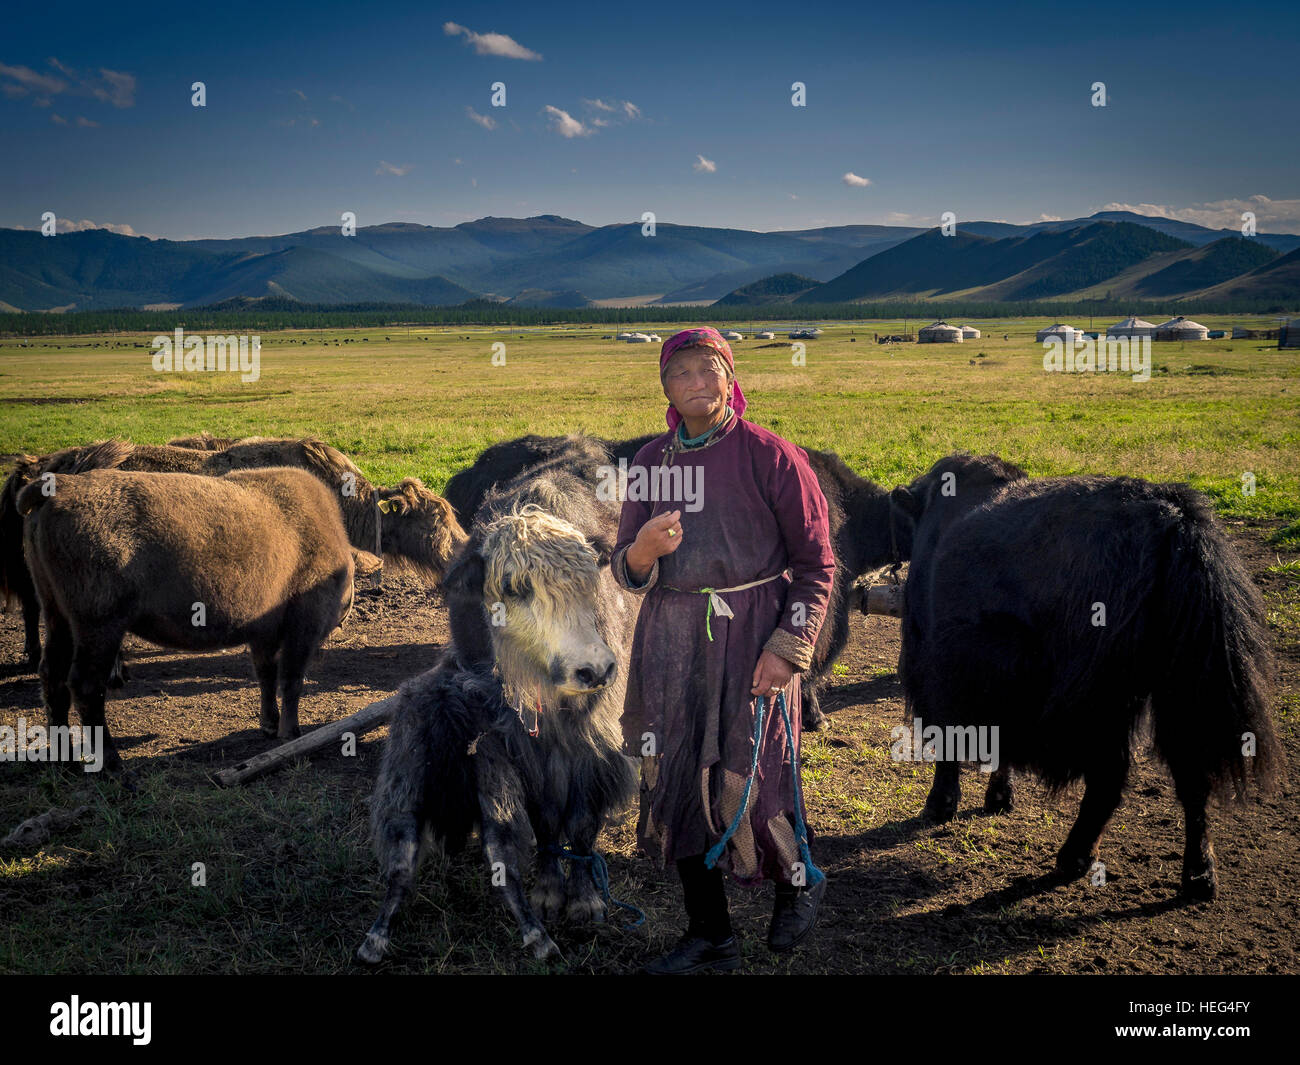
939, 333
969, 332
1066, 333
1181, 328
1131, 326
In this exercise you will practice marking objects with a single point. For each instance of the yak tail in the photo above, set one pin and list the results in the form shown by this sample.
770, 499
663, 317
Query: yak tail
1211, 711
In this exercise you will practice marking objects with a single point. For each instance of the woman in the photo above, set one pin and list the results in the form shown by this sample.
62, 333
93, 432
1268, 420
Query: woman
722, 624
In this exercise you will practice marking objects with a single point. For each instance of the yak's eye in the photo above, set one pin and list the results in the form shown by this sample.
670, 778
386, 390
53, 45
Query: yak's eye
518, 588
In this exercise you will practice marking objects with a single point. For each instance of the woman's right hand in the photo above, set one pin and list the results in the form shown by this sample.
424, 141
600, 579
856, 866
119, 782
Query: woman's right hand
661, 535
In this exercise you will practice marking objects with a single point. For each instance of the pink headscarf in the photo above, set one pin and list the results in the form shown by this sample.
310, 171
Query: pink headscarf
705, 337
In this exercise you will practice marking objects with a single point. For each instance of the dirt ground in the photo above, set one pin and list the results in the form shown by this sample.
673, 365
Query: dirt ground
905, 896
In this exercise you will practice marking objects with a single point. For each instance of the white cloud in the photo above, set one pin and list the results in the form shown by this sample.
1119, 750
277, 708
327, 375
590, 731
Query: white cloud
67, 225
395, 171
497, 44
300, 94
599, 105
58, 120
1271, 216
486, 121
564, 123
119, 91
704, 166
111, 86
1050, 218
631, 110
86, 123
23, 81
855, 181
793, 196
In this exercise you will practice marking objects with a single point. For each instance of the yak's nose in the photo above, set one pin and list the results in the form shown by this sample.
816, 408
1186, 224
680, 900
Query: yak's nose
596, 674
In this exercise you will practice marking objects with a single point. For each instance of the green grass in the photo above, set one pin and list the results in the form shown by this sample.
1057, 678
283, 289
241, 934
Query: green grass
426, 407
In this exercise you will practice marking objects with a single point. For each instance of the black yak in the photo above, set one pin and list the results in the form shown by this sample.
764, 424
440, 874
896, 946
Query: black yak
516, 729
859, 512
1067, 612
256, 557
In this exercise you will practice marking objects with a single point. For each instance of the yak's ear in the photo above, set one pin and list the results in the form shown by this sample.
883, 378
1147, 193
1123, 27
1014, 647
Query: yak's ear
604, 549
465, 575
906, 501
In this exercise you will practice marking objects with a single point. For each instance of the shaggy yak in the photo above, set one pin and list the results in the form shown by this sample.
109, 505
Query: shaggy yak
261, 553
859, 512
516, 729
1069, 611
407, 524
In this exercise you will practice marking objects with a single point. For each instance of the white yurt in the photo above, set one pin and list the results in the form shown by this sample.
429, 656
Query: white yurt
638, 338
655, 338
731, 334
1131, 326
625, 336
969, 332
765, 335
1067, 333
939, 333
1181, 328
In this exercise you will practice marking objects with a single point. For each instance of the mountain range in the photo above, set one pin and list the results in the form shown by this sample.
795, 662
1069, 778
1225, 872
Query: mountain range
551, 261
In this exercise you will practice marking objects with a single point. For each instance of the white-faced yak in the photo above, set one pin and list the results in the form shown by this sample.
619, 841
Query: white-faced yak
516, 730
1067, 612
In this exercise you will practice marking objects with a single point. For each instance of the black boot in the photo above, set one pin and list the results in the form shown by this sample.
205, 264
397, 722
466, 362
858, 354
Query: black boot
794, 915
694, 954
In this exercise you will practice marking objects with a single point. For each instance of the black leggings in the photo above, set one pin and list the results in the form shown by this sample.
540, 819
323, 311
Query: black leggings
706, 899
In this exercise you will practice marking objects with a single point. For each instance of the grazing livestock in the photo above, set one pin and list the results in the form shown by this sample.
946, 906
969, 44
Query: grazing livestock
1068, 612
256, 557
407, 524
859, 523
516, 729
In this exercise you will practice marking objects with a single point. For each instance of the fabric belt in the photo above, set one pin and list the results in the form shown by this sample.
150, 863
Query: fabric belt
718, 605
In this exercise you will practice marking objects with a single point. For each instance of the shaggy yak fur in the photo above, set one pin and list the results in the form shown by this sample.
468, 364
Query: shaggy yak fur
1069, 612
540, 640
859, 510
263, 551
420, 532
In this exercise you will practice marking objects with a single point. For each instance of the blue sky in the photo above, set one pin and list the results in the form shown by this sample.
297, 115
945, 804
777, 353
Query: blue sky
317, 109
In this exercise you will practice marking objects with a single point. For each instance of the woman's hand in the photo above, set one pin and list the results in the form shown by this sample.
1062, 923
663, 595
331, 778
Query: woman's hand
771, 674
661, 535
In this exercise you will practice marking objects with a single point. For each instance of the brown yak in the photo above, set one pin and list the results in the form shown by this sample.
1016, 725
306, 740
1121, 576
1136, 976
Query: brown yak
256, 557
409, 525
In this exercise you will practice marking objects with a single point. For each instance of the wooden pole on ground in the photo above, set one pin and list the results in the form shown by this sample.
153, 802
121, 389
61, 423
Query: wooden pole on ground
364, 720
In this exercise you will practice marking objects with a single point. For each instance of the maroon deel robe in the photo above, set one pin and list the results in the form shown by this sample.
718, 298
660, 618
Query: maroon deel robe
689, 714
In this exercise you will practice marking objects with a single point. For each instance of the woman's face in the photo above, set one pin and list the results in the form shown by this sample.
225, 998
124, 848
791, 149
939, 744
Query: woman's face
696, 383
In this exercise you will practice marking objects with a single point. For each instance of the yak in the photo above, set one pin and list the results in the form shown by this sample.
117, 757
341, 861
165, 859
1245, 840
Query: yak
257, 557
516, 729
406, 524
1073, 612
859, 512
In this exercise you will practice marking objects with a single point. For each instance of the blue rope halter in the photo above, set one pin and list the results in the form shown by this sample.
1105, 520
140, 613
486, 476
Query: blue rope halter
600, 874
814, 875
